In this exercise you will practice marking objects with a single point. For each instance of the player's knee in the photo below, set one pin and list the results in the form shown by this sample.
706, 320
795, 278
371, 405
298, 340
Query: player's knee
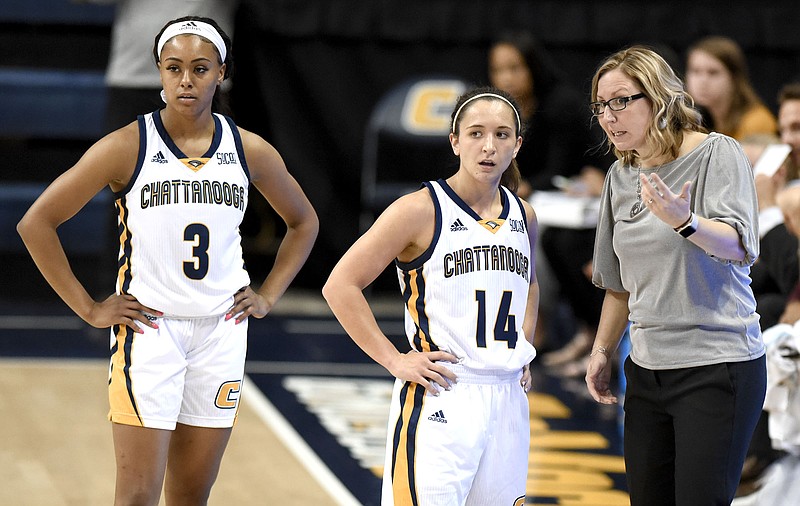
131, 496
187, 494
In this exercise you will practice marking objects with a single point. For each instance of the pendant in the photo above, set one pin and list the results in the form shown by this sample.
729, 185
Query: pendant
637, 208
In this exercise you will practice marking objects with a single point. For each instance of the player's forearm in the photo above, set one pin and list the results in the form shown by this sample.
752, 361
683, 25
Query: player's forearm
47, 253
292, 255
356, 317
531, 312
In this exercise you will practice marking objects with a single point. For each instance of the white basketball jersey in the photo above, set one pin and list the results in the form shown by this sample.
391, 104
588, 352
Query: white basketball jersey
180, 248
468, 292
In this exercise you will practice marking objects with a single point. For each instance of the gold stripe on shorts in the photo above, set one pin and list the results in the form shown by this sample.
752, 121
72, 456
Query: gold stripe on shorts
412, 398
123, 408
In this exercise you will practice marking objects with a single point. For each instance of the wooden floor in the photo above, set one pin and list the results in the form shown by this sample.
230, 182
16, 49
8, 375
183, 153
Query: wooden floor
57, 446
287, 448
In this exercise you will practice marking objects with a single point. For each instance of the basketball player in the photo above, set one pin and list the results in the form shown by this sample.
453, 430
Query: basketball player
463, 247
179, 318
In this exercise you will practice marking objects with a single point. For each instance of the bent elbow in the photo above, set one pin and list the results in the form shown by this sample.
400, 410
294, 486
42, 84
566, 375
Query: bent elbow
329, 291
24, 227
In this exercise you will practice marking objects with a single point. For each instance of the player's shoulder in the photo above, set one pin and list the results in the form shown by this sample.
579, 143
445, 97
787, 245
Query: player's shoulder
252, 141
417, 204
120, 146
262, 157
409, 213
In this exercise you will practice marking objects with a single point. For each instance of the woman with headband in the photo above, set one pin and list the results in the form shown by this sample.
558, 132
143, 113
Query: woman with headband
463, 247
179, 317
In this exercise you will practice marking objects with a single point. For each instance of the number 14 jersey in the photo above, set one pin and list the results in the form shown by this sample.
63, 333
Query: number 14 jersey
467, 293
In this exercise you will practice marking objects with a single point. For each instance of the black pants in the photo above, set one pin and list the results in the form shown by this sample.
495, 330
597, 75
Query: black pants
687, 431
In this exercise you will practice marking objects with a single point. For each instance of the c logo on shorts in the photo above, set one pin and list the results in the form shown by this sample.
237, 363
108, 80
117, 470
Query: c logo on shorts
520, 501
228, 394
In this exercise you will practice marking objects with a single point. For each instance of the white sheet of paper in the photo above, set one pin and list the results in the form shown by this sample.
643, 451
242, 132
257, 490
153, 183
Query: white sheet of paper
771, 159
557, 209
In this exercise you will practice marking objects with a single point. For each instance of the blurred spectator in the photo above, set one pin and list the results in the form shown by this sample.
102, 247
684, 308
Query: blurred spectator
558, 139
717, 78
789, 123
779, 483
557, 154
132, 76
773, 275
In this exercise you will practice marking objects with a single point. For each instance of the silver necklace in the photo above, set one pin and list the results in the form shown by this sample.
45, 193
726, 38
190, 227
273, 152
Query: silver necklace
638, 206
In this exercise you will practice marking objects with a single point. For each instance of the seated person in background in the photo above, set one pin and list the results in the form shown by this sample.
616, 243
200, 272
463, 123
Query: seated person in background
775, 273
558, 148
559, 138
717, 79
789, 124
132, 80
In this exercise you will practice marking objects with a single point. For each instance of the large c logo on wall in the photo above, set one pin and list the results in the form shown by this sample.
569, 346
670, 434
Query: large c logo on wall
428, 105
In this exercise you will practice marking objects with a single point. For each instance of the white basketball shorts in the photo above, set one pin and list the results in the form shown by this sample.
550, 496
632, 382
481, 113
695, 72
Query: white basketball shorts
468, 446
187, 371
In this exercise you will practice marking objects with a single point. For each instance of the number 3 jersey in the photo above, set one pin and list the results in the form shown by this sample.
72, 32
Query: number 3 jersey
179, 216
467, 293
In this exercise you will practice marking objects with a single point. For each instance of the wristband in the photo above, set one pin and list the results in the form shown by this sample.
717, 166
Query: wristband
688, 228
599, 349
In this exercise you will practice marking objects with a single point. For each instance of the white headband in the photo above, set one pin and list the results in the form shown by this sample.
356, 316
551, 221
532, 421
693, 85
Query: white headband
482, 95
193, 28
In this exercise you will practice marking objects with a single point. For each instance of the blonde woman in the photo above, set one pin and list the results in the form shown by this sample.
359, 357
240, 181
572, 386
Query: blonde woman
676, 236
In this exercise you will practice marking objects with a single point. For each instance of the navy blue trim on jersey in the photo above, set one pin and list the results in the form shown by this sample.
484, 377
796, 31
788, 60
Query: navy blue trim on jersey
413, 423
162, 132
126, 245
463, 205
139, 158
521, 208
237, 140
437, 232
414, 288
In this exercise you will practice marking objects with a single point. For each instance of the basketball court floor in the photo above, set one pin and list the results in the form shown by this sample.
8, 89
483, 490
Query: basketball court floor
312, 421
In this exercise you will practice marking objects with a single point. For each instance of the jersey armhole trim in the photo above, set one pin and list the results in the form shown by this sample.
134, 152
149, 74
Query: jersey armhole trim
437, 231
521, 207
237, 140
140, 120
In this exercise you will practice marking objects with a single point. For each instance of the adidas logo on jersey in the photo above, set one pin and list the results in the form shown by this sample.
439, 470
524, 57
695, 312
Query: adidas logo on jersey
438, 416
457, 226
159, 158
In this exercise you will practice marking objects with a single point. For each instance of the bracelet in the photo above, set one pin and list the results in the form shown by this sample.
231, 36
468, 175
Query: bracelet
690, 227
685, 223
600, 349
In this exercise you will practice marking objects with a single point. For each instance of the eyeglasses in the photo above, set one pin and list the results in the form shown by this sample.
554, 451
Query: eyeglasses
615, 104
